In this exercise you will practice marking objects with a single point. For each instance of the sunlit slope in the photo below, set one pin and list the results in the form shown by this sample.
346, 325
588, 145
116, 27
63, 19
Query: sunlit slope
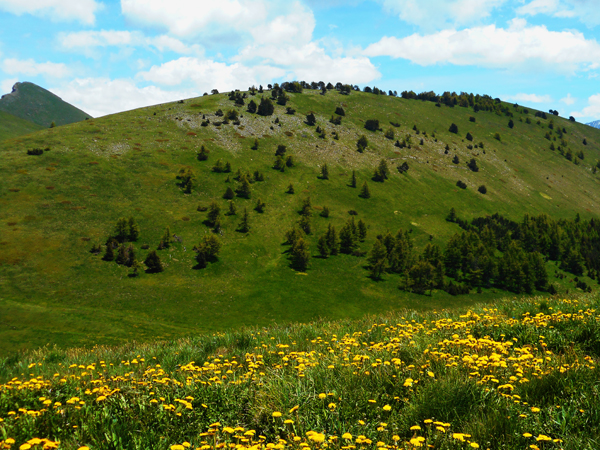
54, 206
12, 126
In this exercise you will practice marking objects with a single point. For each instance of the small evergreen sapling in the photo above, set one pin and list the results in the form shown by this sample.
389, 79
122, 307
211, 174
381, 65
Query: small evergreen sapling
153, 263
364, 191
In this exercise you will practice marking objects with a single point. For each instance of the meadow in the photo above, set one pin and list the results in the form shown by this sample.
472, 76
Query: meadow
521, 374
55, 206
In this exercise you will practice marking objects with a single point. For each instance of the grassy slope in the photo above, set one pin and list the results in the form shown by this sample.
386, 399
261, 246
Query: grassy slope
55, 291
12, 126
506, 377
35, 104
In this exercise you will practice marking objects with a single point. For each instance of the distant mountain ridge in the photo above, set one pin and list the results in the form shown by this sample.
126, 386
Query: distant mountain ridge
595, 124
31, 102
12, 126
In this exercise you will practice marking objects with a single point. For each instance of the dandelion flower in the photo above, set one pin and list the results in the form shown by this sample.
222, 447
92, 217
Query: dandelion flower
535, 410
322, 396
288, 421
527, 435
294, 409
346, 436
25, 447
387, 408
474, 444
276, 414
543, 437
415, 428
331, 406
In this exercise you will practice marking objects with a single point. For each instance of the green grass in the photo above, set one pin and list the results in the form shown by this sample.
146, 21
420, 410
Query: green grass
12, 126
35, 104
54, 206
519, 374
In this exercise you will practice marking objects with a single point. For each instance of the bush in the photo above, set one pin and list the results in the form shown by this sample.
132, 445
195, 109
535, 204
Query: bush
311, 119
372, 124
461, 184
473, 165
362, 143
340, 111
35, 151
497, 137
482, 189
453, 128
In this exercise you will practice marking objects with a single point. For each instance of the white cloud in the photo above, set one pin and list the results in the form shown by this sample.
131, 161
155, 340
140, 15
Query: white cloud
80, 10
587, 11
568, 100
7, 84
206, 75
518, 46
286, 43
592, 111
88, 41
101, 96
431, 14
195, 17
539, 7
31, 68
528, 98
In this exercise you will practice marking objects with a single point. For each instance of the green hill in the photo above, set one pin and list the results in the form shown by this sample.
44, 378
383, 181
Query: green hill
11, 126
56, 205
35, 104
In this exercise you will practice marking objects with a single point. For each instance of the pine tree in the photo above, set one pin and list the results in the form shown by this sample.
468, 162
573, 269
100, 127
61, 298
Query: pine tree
306, 209
347, 239
244, 225
325, 212
266, 107
377, 260
322, 247
207, 250
279, 164
243, 190
134, 230
255, 145
289, 161
455, 160
353, 179
252, 107
362, 143
232, 209
153, 262
281, 150
290, 189
229, 194
364, 191
121, 230
214, 213
300, 255
361, 230
324, 172
332, 240
109, 255
166, 237
260, 206
305, 224
203, 154
421, 277
311, 119
121, 255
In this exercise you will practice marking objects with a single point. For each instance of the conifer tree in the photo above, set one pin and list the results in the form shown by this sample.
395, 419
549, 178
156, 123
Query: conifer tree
214, 213
293, 235
324, 172
311, 119
353, 179
290, 189
279, 164
109, 255
361, 230
323, 248
131, 259
377, 260
244, 225
306, 209
325, 212
266, 107
207, 250
166, 238
281, 150
255, 145
305, 224
421, 277
153, 263
229, 194
289, 161
455, 160
121, 255
121, 229
362, 143
243, 190
232, 209
364, 191
300, 255
347, 238
134, 230
202, 154
260, 206
332, 240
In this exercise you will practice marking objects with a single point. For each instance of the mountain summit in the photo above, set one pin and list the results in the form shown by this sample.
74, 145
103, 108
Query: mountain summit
595, 124
38, 105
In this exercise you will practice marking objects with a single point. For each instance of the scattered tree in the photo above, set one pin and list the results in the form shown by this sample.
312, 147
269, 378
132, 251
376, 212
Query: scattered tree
153, 263
364, 191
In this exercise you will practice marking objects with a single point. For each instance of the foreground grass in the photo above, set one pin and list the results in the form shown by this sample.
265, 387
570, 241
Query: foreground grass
521, 374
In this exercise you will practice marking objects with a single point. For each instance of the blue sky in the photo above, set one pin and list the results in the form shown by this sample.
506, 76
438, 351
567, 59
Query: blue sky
111, 56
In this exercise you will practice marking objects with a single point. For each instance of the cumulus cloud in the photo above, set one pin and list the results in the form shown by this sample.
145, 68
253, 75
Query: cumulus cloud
88, 41
586, 11
31, 68
206, 74
592, 111
518, 46
430, 14
528, 98
102, 96
568, 100
195, 17
81, 10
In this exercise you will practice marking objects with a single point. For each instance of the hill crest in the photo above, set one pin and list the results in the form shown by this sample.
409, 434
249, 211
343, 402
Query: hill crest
31, 102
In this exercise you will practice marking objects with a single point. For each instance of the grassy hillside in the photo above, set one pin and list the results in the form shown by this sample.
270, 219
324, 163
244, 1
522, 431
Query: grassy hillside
35, 104
12, 126
55, 206
523, 374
